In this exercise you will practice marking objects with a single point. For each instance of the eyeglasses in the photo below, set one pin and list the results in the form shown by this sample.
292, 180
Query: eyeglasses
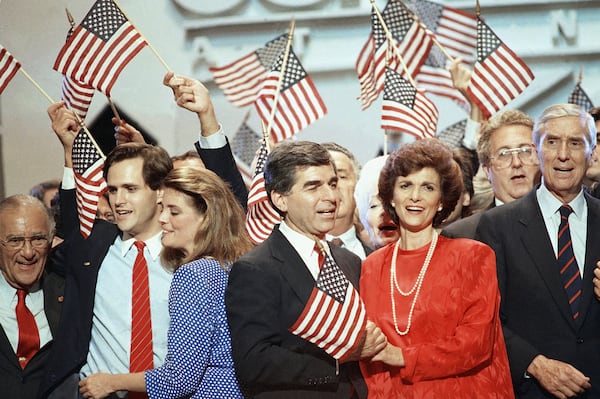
504, 157
18, 243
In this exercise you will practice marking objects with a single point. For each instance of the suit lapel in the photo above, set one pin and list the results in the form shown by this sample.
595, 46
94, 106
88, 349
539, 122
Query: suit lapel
293, 268
592, 254
537, 244
53, 298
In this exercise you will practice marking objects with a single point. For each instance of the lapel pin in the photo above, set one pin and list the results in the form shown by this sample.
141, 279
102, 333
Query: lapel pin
60, 299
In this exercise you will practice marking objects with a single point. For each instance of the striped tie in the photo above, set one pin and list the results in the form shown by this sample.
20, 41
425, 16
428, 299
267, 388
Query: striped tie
141, 356
569, 271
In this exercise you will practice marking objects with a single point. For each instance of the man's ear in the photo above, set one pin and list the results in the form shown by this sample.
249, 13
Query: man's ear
159, 195
279, 200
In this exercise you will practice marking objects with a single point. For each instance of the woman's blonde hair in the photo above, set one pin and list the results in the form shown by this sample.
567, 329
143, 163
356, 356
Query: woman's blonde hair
222, 233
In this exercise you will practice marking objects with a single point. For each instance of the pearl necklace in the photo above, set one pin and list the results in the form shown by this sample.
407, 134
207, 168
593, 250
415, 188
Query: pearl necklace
416, 287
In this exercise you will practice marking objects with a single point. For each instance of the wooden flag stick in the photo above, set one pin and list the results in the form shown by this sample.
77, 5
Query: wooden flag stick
390, 43
266, 137
114, 109
162, 61
70, 18
580, 78
286, 54
477, 9
36, 85
433, 37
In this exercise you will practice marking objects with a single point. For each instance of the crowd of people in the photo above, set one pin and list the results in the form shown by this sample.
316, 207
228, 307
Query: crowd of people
398, 279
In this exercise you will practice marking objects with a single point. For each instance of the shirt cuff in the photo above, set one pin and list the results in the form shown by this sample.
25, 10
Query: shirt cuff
471, 136
68, 180
215, 140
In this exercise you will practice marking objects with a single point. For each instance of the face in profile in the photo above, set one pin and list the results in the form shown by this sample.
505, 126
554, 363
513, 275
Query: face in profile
25, 235
417, 198
381, 227
346, 184
179, 220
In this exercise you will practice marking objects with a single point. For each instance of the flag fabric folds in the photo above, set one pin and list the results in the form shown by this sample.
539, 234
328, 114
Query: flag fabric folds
9, 66
334, 316
100, 47
242, 79
453, 134
456, 31
579, 96
499, 75
88, 162
411, 40
406, 108
244, 146
298, 101
261, 217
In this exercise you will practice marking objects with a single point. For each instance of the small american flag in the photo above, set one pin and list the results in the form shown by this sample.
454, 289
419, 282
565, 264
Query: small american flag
88, 162
456, 31
77, 95
242, 79
499, 75
244, 146
579, 97
100, 47
299, 103
334, 316
410, 38
261, 217
9, 66
406, 108
453, 135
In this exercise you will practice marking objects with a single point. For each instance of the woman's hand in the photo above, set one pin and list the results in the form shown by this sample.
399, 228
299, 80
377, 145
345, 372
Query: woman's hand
390, 355
96, 386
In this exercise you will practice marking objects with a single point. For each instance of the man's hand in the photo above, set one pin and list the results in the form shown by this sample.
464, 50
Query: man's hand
596, 280
125, 133
96, 386
558, 378
371, 342
461, 76
66, 127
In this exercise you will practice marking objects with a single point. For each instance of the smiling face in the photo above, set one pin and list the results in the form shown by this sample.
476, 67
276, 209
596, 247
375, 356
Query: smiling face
381, 229
180, 221
310, 206
134, 203
512, 182
564, 156
23, 267
416, 199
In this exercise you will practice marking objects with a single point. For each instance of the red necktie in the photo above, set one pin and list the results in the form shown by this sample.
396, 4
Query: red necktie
141, 357
319, 252
29, 338
569, 270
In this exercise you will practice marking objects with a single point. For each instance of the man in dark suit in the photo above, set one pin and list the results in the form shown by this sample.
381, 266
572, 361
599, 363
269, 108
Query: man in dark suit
550, 318
506, 155
26, 231
344, 232
270, 286
96, 330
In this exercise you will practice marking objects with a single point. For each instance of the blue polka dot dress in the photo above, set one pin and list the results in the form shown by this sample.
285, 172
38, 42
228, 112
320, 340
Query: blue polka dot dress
198, 362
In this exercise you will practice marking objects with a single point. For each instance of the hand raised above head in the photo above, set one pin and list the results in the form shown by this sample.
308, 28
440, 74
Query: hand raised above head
126, 133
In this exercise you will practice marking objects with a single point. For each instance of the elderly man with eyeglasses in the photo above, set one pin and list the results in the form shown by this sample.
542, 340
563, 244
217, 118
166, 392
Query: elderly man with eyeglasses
506, 154
30, 298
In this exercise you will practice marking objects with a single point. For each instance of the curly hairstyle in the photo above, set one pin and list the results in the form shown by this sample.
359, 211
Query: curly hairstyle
410, 158
222, 233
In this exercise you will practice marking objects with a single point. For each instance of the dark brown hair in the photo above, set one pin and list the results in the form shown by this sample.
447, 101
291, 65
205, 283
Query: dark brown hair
157, 162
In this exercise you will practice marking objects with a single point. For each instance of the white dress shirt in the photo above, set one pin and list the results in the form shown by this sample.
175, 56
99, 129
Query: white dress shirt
351, 242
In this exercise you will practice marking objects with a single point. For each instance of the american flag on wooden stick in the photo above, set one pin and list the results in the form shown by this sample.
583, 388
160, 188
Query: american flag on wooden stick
406, 108
499, 75
456, 31
244, 146
9, 66
298, 103
334, 317
242, 79
411, 40
77, 95
579, 97
88, 162
261, 217
100, 47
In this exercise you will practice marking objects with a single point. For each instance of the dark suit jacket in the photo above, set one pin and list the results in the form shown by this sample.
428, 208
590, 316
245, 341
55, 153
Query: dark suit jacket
466, 227
83, 260
268, 289
534, 311
19, 383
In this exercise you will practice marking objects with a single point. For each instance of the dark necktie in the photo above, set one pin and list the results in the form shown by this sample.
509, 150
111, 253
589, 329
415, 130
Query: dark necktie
29, 338
569, 271
141, 356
